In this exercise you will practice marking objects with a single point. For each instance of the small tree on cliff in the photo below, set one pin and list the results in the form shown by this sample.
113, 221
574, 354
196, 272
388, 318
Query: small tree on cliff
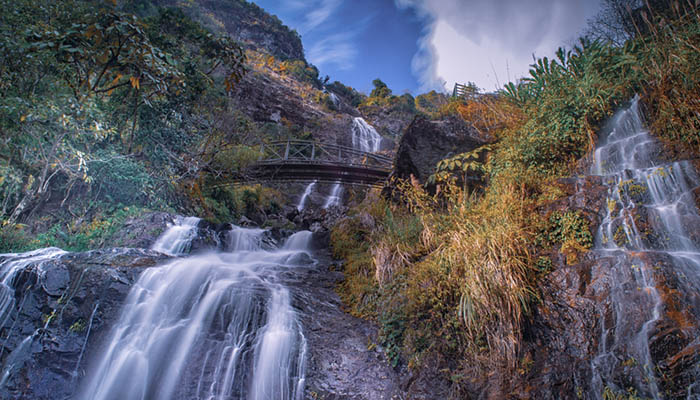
380, 89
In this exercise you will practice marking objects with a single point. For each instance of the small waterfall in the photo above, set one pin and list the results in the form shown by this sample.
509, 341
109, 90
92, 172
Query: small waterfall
650, 207
364, 136
300, 241
214, 326
334, 198
87, 336
176, 240
11, 266
304, 197
244, 239
334, 99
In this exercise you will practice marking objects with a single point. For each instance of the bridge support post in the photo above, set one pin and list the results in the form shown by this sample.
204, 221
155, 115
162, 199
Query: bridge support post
313, 151
286, 151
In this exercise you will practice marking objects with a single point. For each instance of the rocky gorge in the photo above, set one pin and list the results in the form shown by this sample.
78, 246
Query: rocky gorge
65, 304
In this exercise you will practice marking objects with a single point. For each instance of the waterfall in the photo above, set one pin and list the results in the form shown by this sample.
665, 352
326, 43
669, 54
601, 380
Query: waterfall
307, 192
644, 232
334, 99
13, 264
10, 266
334, 198
214, 326
244, 239
300, 241
364, 136
176, 240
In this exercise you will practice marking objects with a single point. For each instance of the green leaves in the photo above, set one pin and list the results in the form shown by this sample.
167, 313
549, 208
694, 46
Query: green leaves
461, 165
107, 51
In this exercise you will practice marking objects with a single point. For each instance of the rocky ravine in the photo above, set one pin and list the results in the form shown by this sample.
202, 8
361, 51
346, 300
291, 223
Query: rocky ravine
69, 303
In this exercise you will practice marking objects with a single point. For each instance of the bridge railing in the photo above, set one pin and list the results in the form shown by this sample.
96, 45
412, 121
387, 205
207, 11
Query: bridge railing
311, 152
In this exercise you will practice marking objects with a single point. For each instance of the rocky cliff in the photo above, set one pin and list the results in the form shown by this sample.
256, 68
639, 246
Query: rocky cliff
245, 22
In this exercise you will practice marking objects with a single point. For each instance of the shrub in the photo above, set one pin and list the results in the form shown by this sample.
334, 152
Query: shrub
120, 179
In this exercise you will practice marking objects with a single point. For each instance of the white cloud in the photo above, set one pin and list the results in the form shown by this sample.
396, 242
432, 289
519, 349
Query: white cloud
337, 49
319, 13
490, 42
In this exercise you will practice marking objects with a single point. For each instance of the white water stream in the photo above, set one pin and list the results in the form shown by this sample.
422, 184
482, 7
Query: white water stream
364, 136
213, 326
335, 197
305, 196
177, 238
639, 184
10, 267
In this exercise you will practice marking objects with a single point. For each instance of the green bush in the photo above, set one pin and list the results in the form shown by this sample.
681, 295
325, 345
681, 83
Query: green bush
13, 239
122, 180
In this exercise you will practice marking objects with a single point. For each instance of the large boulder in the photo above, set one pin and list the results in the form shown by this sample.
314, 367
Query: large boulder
426, 142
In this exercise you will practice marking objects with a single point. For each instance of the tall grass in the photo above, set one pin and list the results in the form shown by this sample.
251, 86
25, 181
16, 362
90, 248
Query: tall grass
464, 283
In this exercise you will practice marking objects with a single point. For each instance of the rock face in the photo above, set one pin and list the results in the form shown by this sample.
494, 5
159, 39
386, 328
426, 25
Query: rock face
64, 308
245, 22
341, 364
142, 231
388, 122
276, 99
425, 142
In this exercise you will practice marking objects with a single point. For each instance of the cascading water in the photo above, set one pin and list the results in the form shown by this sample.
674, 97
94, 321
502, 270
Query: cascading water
176, 240
334, 99
364, 136
334, 198
10, 267
13, 264
214, 326
305, 196
650, 206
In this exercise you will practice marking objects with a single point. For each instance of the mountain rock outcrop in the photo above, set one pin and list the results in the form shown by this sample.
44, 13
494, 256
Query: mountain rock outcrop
426, 142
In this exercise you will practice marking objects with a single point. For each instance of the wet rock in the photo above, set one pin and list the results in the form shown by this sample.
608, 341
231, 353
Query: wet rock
46, 331
387, 121
55, 279
341, 363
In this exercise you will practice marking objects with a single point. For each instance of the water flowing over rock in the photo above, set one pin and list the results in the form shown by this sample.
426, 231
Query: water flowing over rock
335, 196
305, 196
626, 319
257, 319
178, 238
63, 303
650, 232
364, 136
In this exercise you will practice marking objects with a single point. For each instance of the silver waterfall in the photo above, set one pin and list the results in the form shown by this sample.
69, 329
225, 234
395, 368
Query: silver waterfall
211, 326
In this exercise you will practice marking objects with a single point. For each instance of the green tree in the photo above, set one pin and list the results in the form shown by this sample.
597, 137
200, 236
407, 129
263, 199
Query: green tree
380, 89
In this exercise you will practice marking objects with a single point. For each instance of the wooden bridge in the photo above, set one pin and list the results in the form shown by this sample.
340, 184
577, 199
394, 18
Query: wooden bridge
304, 160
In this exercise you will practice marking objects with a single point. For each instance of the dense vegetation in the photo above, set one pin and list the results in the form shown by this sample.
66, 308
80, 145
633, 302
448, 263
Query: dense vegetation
105, 114
451, 271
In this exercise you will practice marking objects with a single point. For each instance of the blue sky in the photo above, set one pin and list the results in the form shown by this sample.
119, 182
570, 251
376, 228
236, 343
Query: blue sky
418, 45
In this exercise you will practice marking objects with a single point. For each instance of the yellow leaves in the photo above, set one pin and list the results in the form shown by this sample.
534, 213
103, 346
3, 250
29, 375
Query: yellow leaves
2, 179
116, 79
22, 118
135, 82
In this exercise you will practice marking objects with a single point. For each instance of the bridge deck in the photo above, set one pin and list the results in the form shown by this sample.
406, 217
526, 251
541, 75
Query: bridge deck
296, 160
